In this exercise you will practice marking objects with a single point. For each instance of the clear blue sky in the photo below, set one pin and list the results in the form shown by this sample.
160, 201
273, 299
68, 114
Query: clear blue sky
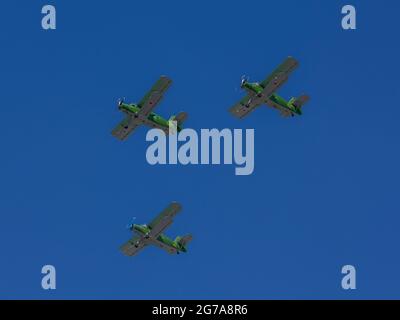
325, 189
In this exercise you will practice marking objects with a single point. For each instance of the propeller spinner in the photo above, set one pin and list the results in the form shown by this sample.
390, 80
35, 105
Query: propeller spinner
130, 225
244, 81
120, 102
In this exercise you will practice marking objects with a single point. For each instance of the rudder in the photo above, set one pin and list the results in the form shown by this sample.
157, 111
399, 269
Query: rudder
300, 101
183, 241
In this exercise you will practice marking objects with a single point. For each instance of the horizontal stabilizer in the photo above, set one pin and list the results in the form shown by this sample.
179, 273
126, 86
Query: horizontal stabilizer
183, 241
181, 117
300, 101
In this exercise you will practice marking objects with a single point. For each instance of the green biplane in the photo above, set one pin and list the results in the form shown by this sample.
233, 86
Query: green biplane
264, 93
142, 112
151, 234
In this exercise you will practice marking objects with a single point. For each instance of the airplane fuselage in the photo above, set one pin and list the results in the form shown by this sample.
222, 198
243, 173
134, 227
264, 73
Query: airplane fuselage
144, 230
255, 89
157, 121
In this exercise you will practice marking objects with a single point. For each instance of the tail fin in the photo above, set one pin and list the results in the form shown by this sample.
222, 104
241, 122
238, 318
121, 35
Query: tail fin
300, 101
179, 118
183, 241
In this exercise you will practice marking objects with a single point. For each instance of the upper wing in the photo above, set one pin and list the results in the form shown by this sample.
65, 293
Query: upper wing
164, 219
133, 246
125, 127
245, 106
280, 75
146, 105
154, 96
270, 85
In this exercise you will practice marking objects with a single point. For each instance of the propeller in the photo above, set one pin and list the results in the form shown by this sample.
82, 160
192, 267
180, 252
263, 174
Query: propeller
244, 80
130, 225
121, 101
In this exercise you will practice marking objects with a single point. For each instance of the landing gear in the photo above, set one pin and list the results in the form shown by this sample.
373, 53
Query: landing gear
247, 105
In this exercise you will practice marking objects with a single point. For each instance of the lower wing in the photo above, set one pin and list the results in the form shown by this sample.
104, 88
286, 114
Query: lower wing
245, 106
133, 246
164, 219
125, 127
280, 74
153, 97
